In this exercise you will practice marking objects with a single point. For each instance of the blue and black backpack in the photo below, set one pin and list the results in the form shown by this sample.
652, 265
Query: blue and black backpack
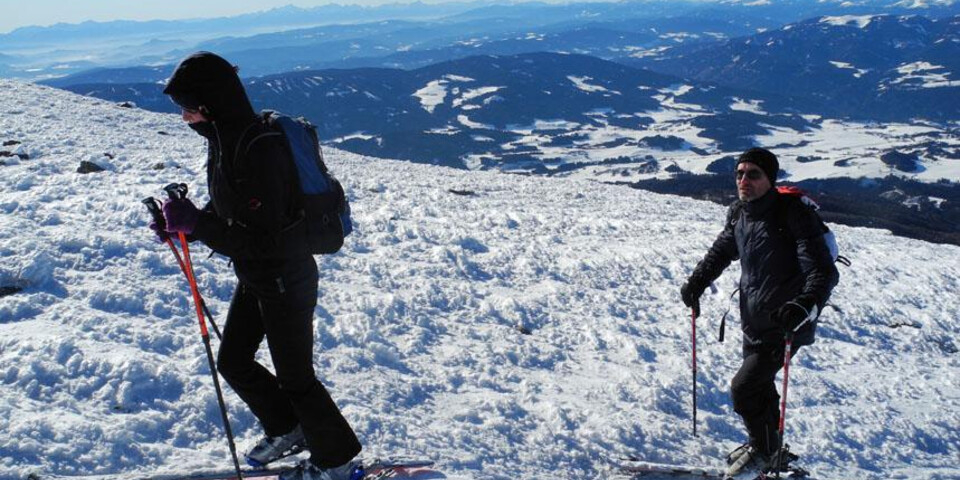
324, 206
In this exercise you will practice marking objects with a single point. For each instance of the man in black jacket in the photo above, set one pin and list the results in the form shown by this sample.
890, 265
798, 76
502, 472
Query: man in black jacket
254, 192
787, 274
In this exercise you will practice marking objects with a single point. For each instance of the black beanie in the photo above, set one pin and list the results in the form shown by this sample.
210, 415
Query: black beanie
763, 158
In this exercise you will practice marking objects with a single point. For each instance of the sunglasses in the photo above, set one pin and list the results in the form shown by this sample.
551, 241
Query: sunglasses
189, 103
751, 174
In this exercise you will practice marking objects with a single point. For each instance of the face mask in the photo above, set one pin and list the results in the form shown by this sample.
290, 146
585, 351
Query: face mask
205, 129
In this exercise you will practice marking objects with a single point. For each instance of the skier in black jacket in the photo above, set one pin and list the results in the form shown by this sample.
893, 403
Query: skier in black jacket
787, 274
253, 189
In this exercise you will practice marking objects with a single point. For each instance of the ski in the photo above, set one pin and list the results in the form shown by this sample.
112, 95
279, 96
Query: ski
381, 469
377, 469
260, 473
640, 469
790, 472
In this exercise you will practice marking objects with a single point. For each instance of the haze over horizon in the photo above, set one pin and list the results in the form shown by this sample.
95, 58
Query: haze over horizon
44, 13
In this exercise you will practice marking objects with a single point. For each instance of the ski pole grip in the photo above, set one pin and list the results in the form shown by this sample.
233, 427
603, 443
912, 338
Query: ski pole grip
176, 191
153, 206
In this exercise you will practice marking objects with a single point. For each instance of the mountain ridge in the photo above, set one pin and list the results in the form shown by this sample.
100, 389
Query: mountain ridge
862, 68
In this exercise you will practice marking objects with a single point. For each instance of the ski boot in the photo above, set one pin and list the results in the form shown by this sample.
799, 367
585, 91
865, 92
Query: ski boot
749, 459
736, 453
271, 449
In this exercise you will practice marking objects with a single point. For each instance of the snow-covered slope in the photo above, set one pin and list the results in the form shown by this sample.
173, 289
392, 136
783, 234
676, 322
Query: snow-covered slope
418, 329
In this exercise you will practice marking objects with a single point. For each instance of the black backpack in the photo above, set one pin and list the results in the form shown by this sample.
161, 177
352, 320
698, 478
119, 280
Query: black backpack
323, 203
780, 216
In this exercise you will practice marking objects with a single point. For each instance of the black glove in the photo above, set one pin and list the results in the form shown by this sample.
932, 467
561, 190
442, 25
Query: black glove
794, 313
690, 293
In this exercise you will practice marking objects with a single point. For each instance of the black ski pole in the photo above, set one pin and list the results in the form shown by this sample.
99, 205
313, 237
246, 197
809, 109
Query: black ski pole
153, 206
693, 323
179, 191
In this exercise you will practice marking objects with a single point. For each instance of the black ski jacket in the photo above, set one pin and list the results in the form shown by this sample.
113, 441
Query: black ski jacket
781, 260
253, 201
251, 177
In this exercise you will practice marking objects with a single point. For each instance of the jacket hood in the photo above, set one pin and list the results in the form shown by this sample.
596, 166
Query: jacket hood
207, 79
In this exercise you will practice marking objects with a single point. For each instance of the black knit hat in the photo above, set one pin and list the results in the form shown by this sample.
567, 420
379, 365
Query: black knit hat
763, 158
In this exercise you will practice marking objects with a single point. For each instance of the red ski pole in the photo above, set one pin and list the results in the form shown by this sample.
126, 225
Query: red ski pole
179, 191
154, 207
781, 454
787, 353
193, 284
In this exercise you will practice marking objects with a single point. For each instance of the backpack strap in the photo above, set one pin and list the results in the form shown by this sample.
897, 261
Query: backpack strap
244, 146
254, 140
788, 202
259, 130
264, 133
781, 213
723, 319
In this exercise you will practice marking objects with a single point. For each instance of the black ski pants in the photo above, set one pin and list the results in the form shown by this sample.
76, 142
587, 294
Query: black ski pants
755, 396
276, 301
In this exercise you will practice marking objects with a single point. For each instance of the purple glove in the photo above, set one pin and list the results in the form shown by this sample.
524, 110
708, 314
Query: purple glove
181, 215
162, 235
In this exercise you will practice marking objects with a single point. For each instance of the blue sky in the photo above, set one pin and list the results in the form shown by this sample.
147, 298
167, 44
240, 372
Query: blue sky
20, 13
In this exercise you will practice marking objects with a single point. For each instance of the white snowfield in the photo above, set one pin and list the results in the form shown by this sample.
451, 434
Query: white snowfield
829, 148
103, 373
924, 75
860, 21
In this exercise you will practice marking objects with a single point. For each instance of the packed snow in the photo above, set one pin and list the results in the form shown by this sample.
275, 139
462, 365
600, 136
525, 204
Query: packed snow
466, 122
432, 95
435, 92
924, 75
859, 21
583, 83
753, 106
474, 94
857, 72
421, 319
922, 4
641, 52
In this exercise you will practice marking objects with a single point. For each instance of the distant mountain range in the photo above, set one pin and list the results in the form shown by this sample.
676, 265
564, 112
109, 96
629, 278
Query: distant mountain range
606, 31
663, 101
870, 67
294, 41
574, 115
880, 67
283, 18
479, 107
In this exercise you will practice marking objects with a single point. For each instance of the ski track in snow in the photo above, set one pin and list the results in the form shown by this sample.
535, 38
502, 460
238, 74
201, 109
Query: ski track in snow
103, 371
